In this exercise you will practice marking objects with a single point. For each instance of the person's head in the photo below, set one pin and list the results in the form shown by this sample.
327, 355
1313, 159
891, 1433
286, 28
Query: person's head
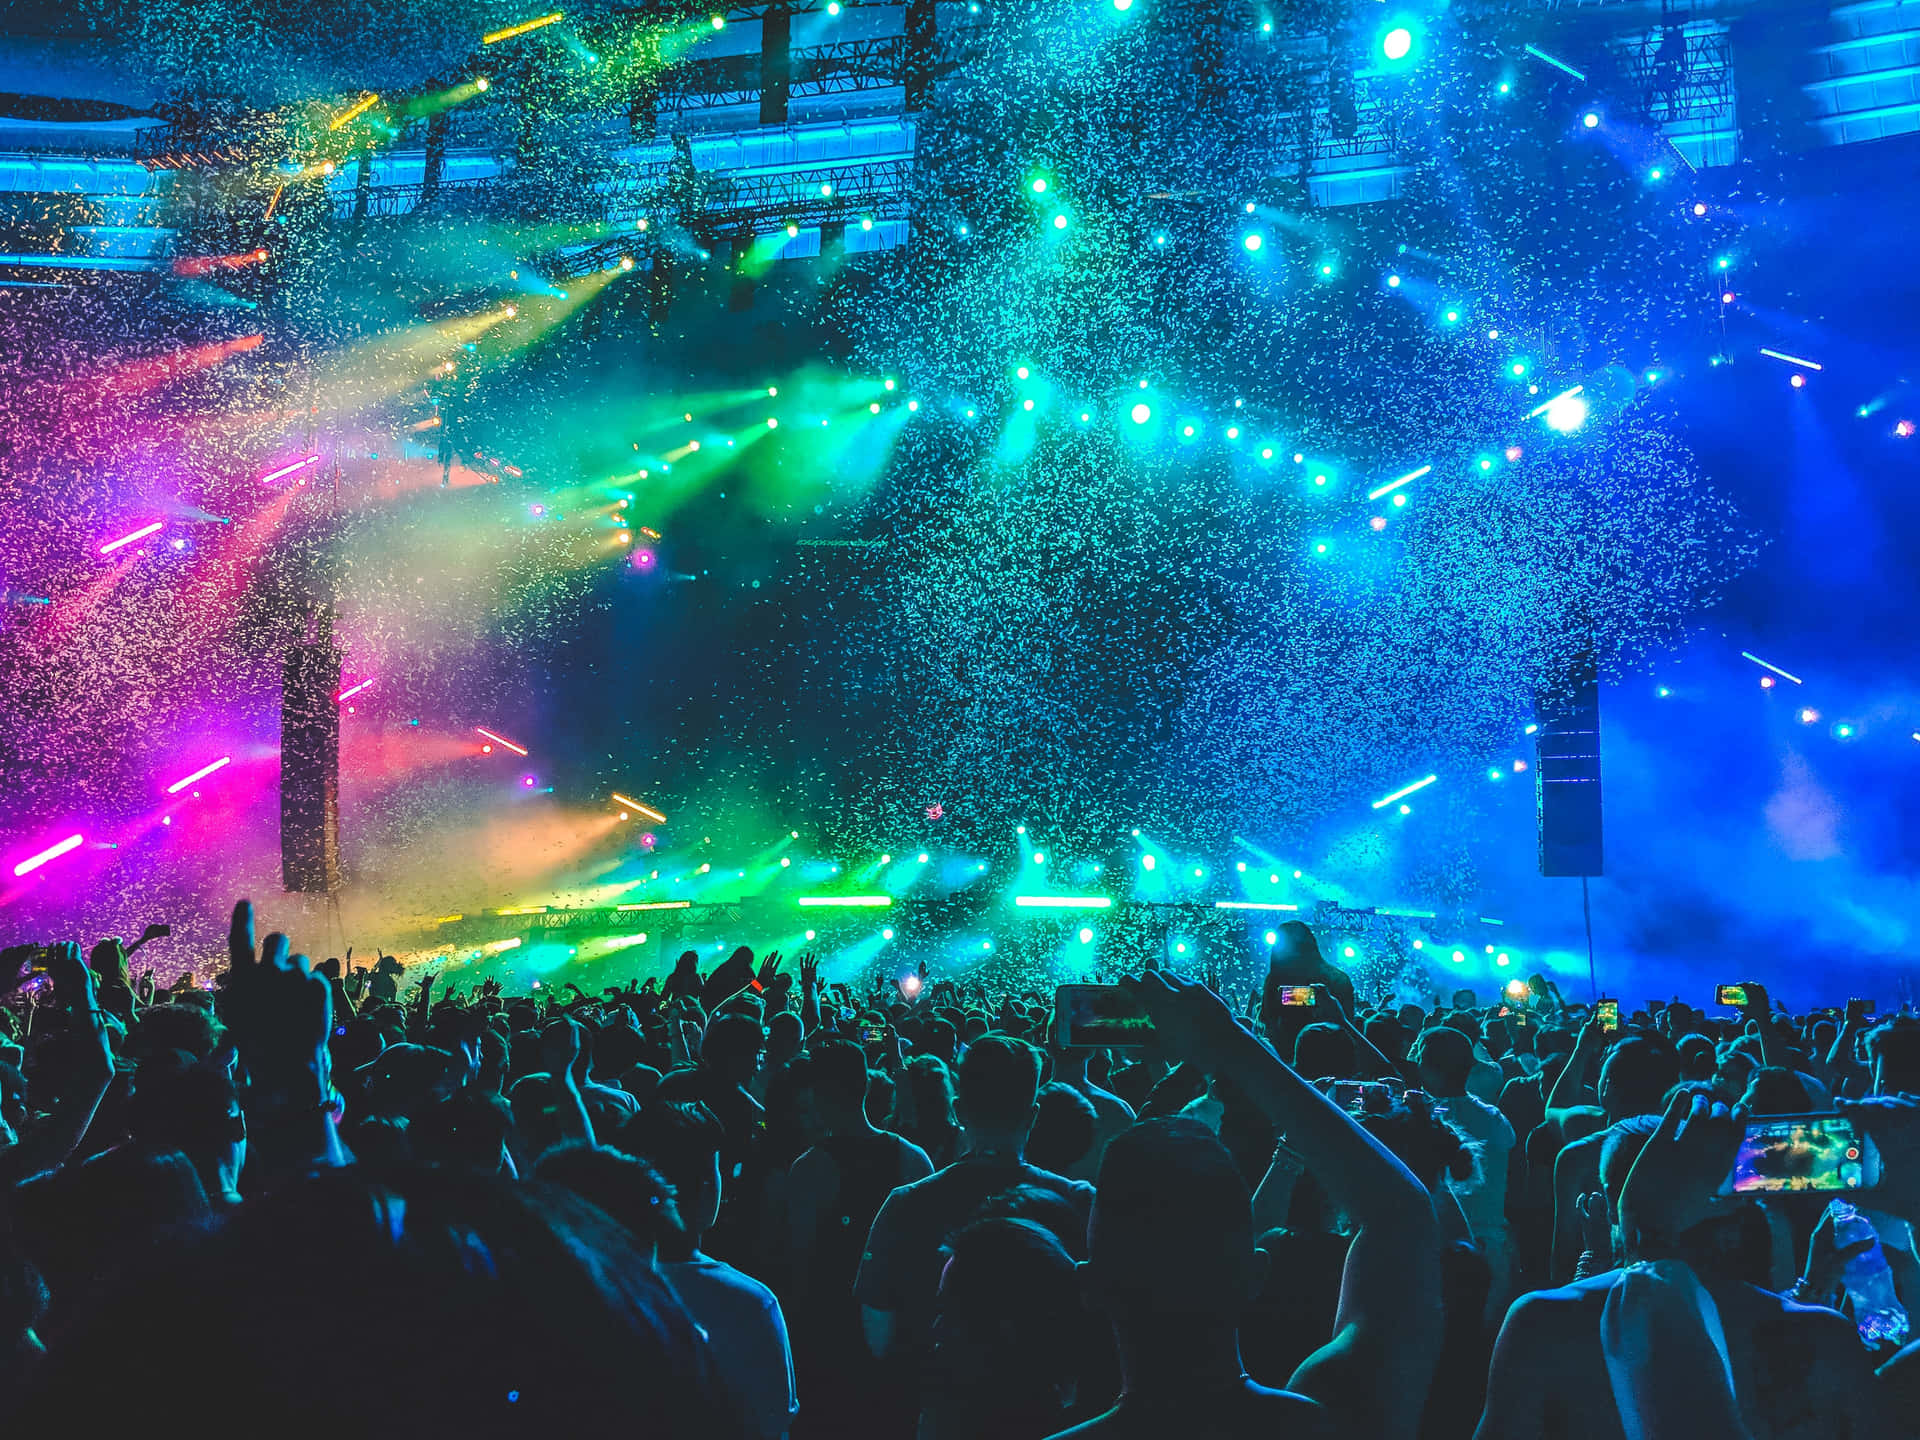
1445, 1058
630, 1191
682, 1142
1423, 1140
931, 1080
839, 1070
191, 1106
1387, 1035
1295, 949
939, 1039
1638, 1070
785, 1035
1697, 1058
1063, 1128
1170, 1240
498, 1306
1893, 1050
1005, 1323
732, 1047
164, 1028
1323, 1050
999, 1077
1775, 1090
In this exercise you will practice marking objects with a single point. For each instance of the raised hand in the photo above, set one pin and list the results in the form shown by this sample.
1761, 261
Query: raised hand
769, 967
1188, 1018
1675, 1182
280, 1013
809, 972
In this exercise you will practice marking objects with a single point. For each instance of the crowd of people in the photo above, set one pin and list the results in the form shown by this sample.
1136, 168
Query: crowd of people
321, 1198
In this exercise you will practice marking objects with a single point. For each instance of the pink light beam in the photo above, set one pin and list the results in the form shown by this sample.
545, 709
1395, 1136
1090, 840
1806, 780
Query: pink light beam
500, 740
200, 774
354, 690
140, 534
52, 852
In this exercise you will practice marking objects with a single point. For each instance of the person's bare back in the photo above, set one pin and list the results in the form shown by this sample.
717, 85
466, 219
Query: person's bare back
1800, 1372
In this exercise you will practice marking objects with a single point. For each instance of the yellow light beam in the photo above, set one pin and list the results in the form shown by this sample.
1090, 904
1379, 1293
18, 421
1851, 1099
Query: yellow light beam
638, 808
354, 111
495, 36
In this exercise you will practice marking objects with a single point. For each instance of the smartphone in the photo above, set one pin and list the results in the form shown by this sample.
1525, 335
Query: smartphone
1862, 1007
1350, 1096
873, 1034
1296, 995
1803, 1152
1607, 1012
1096, 1015
1733, 995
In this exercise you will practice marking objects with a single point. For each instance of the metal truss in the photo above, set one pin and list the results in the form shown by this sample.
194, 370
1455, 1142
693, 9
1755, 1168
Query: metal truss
1679, 72
843, 68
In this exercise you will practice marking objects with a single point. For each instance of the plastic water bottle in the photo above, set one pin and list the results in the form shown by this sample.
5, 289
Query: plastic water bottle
1876, 1308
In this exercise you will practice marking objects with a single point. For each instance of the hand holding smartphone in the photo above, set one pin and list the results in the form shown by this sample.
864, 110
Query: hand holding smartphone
1733, 996
1297, 995
1095, 1016
1607, 1012
1790, 1153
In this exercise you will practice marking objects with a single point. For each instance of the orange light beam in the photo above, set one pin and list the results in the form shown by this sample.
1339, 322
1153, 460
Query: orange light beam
638, 808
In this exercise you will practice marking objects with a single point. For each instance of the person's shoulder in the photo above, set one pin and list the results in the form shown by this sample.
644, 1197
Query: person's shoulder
1539, 1310
719, 1275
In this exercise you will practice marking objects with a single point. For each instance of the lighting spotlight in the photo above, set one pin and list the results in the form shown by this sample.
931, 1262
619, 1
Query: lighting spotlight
1656, 173
1393, 282
1453, 317
1809, 715
886, 934
1591, 119
1397, 43
1039, 184
1059, 222
793, 231
833, 7
1699, 207
1142, 413
1253, 242
1086, 935
866, 222
481, 83
1566, 413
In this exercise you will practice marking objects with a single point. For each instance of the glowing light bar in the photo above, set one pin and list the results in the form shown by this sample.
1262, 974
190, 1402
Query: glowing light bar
448, 919
659, 905
140, 534
862, 902
1250, 905
1406, 479
494, 37
1748, 655
500, 740
1063, 902
638, 808
1560, 65
522, 910
1792, 359
52, 852
1539, 410
354, 690
200, 774
354, 111
497, 946
289, 469
1403, 792
1404, 914
1489, 920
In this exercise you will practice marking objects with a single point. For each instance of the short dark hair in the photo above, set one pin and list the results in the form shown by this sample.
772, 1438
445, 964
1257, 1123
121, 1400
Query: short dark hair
629, 1190
1449, 1052
1064, 1124
1172, 1219
174, 1027
680, 1140
1637, 1072
840, 1072
999, 1077
1323, 1049
732, 1039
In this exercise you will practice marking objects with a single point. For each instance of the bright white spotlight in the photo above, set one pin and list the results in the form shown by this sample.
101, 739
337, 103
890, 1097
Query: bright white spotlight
1567, 413
1396, 43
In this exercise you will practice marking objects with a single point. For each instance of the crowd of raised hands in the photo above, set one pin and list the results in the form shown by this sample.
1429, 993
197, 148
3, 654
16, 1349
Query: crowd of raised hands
329, 1199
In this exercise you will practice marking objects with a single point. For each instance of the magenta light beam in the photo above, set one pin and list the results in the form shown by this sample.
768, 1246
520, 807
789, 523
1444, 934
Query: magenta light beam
200, 774
140, 534
52, 852
288, 469
354, 690
500, 740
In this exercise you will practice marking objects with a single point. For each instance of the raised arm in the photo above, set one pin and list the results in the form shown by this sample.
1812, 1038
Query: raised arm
1373, 1374
59, 1135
